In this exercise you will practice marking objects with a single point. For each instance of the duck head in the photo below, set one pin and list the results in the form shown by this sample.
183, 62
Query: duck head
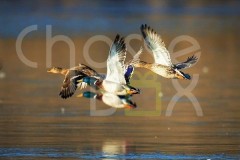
55, 70
58, 70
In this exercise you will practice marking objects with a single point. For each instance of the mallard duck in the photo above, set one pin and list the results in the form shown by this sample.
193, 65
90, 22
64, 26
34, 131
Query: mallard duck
72, 77
163, 65
111, 99
115, 81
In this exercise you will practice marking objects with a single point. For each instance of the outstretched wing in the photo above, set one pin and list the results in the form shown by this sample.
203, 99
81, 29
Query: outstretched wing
71, 81
115, 61
136, 57
88, 71
70, 84
156, 45
188, 63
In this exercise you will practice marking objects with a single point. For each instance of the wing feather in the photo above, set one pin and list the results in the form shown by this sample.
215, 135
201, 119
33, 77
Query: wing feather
115, 61
188, 63
70, 84
156, 45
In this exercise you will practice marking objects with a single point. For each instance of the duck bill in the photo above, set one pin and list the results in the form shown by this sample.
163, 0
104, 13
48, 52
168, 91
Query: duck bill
129, 106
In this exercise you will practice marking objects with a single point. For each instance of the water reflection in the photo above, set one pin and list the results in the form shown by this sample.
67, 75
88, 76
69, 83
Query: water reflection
53, 153
113, 148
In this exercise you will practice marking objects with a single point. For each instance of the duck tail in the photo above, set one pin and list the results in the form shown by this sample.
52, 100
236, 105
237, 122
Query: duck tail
181, 75
186, 76
188, 63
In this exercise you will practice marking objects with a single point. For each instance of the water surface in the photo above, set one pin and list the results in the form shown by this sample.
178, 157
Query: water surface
37, 124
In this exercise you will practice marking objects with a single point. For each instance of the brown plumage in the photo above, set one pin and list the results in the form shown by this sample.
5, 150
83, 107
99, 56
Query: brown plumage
162, 65
72, 77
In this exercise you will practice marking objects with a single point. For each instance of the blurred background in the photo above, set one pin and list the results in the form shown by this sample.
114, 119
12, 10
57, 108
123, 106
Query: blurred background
35, 122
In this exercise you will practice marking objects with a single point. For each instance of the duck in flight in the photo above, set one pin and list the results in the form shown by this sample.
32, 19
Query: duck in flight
118, 74
111, 99
72, 77
163, 65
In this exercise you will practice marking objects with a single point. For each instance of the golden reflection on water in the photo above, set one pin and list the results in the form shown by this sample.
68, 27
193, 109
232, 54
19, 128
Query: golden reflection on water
110, 148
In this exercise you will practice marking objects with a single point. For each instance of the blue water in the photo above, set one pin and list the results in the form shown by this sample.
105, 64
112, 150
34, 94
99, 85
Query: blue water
103, 17
60, 153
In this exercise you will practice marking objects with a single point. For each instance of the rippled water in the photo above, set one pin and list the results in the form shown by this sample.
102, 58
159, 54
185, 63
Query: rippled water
35, 123
48, 153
